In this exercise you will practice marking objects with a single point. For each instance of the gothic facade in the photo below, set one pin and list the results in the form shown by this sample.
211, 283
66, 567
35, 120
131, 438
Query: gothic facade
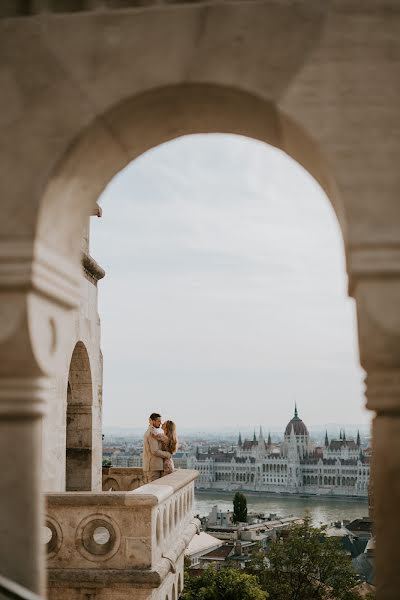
339, 468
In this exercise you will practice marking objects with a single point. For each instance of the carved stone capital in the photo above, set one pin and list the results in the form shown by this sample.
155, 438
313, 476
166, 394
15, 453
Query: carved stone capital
23, 398
28, 266
378, 312
377, 293
38, 289
372, 262
383, 391
32, 328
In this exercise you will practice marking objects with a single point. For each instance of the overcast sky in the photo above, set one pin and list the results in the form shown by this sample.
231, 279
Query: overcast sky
225, 295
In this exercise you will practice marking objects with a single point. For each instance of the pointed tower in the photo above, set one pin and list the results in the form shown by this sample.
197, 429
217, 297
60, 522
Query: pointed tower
269, 439
240, 443
254, 436
260, 435
296, 416
358, 438
326, 439
340, 435
344, 435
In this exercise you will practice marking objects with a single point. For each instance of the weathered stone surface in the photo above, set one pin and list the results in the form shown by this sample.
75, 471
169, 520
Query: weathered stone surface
84, 93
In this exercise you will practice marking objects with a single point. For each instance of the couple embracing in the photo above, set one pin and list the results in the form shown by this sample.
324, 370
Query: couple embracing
160, 443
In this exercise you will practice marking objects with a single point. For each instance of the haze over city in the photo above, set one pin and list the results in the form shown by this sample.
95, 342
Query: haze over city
225, 297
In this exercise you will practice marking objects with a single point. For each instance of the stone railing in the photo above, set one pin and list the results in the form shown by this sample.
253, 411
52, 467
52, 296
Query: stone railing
120, 479
127, 544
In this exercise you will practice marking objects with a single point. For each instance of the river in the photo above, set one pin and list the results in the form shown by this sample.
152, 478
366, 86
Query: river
320, 509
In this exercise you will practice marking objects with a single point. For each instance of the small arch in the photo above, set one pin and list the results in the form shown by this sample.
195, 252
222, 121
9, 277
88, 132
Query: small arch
111, 484
78, 475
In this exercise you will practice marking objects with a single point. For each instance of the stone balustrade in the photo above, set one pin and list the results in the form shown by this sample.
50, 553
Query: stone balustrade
120, 544
121, 479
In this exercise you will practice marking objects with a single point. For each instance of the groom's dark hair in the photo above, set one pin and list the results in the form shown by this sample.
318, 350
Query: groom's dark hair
154, 416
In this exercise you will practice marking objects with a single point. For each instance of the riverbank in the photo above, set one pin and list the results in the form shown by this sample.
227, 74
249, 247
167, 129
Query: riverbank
277, 495
320, 509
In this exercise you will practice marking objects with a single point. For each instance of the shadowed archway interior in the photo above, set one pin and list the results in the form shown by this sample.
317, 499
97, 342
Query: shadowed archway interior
78, 475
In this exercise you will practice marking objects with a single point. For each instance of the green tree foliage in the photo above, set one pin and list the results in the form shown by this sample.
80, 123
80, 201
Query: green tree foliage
307, 565
239, 508
227, 584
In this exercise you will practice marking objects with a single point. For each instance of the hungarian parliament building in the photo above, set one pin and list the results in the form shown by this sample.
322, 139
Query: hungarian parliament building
339, 467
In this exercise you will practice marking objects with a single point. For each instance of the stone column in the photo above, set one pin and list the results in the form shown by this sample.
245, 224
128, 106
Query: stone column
376, 288
35, 297
22, 402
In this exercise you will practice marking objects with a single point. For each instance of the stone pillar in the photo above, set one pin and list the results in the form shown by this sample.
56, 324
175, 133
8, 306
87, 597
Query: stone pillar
22, 402
376, 288
35, 297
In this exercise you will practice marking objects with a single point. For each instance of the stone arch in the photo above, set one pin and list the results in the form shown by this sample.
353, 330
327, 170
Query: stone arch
111, 484
78, 472
149, 119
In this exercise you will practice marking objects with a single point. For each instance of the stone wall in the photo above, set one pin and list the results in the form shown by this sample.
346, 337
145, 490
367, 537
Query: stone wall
85, 331
121, 545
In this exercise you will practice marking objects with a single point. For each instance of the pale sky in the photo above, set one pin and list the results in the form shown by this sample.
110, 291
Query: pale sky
225, 295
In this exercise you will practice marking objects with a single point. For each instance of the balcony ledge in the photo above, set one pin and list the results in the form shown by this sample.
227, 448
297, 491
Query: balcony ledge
143, 536
152, 578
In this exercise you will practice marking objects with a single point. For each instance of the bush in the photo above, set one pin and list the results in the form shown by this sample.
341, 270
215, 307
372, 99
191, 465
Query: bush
227, 584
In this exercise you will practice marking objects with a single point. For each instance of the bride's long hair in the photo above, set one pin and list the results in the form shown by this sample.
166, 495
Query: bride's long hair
170, 431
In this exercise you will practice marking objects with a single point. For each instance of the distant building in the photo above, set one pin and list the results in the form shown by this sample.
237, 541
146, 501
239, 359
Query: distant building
339, 468
235, 543
200, 545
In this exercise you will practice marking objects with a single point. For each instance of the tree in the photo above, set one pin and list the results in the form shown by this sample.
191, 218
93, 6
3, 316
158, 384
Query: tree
307, 565
227, 584
239, 508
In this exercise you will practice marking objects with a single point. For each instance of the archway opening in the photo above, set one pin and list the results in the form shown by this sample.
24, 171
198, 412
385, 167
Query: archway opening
260, 235
78, 474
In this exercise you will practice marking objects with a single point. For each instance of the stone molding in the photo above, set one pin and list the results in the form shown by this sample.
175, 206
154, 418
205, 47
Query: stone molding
23, 398
374, 261
92, 268
34, 267
383, 391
